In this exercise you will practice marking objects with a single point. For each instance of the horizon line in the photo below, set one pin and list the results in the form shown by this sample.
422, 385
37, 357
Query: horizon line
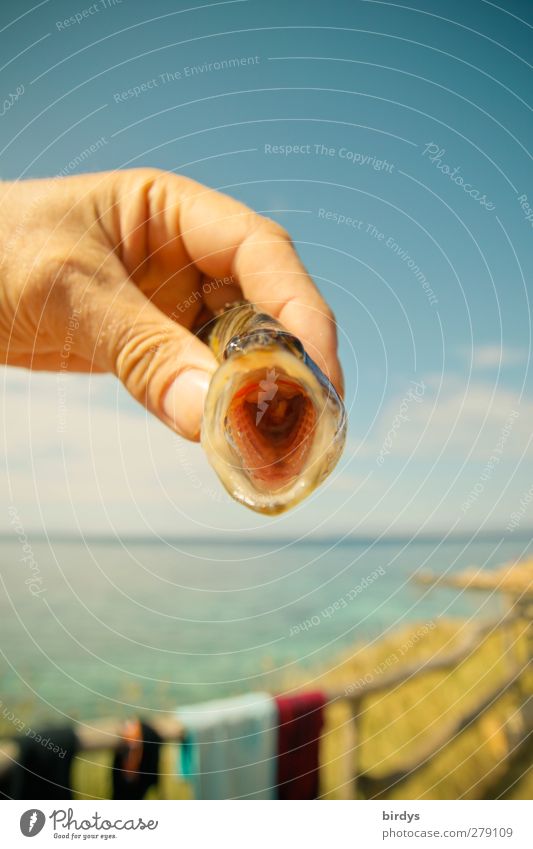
410, 537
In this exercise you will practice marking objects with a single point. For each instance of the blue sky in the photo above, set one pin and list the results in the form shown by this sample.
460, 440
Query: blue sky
391, 140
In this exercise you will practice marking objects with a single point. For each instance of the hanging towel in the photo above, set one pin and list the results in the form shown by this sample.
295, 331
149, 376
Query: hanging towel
42, 769
301, 717
229, 747
136, 761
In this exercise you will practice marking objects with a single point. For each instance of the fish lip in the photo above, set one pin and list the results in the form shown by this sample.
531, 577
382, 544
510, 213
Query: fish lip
331, 426
264, 338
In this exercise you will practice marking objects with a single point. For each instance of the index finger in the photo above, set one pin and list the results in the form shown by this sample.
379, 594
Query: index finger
223, 237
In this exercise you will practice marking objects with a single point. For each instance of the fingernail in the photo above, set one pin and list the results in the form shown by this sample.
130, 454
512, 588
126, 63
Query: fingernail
184, 401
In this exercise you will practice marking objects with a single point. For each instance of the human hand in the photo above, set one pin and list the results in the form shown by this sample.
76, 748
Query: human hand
139, 258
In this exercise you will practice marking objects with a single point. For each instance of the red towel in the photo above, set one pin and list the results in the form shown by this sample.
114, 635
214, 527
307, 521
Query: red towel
300, 722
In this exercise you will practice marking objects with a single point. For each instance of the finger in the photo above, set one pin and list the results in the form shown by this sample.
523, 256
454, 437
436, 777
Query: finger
216, 295
219, 292
160, 363
191, 310
224, 238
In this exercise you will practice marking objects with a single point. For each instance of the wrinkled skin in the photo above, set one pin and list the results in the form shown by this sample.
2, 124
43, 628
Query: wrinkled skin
134, 253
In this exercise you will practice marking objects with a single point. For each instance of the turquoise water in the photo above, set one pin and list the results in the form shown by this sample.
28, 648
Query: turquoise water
143, 625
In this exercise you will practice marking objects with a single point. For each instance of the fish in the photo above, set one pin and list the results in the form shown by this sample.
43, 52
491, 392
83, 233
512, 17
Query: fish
274, 426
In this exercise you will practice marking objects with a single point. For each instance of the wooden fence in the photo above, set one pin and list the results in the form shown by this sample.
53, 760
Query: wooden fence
108, 734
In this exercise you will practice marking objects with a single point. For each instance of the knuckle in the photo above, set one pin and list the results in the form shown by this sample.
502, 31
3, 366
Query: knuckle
144, 358
274, 229
148, 174
140, 185
148, 183
135, 351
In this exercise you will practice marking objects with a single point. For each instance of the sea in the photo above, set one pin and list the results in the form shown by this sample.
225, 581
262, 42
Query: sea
100, 627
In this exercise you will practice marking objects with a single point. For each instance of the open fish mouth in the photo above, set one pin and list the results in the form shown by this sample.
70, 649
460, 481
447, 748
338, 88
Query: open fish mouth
273, 426
270, 422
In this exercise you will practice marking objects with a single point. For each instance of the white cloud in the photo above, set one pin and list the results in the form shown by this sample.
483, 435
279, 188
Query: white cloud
494, 356
82, 451
457, 417
116, 467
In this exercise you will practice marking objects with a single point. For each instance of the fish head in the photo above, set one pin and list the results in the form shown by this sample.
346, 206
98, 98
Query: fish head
273, 424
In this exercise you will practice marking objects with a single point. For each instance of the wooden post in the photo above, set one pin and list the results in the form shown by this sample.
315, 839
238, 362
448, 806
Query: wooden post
350, 764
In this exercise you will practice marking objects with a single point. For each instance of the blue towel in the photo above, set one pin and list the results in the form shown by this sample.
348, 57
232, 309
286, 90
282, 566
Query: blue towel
230, 745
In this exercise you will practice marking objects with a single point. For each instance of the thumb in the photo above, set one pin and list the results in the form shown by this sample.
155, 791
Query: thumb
163, 365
